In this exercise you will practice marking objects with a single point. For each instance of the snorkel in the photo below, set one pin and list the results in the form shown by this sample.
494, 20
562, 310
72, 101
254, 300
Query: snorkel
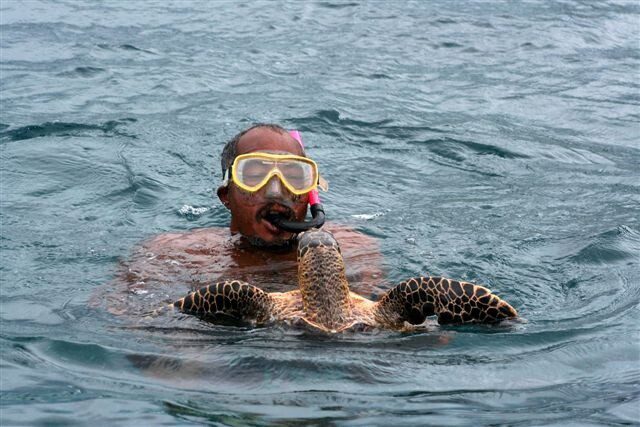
317, 211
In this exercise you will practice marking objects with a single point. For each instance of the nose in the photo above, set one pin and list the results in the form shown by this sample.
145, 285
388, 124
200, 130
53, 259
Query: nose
274, 189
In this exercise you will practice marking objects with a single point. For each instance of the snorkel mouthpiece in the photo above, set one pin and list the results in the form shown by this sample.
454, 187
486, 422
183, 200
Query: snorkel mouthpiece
317, 211
317, 217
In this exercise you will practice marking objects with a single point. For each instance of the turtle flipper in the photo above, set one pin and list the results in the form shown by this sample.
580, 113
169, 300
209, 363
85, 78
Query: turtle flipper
452, 301
231, 298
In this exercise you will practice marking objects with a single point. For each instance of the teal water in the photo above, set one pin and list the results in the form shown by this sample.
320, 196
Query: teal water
497, 142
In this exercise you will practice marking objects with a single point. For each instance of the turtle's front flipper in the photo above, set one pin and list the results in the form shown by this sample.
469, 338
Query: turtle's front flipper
452, 301
232, 298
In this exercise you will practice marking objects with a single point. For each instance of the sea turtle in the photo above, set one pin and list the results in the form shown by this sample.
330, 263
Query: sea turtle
325, 302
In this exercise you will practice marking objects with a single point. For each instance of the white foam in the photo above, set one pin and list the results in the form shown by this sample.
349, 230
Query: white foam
368, 217
188, 210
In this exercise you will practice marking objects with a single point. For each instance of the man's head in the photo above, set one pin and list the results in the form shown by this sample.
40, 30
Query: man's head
248, 210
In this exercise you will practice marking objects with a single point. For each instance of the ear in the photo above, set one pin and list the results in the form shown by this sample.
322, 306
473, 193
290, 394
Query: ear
223, 195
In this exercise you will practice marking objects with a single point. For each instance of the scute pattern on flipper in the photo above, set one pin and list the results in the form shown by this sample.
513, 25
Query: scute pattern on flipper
452, 301
232, 298
324, 301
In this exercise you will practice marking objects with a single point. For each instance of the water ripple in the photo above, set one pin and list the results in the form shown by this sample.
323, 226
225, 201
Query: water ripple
497, 144
60, 129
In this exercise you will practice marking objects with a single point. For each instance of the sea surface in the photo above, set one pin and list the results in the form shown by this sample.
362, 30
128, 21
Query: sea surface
494, 141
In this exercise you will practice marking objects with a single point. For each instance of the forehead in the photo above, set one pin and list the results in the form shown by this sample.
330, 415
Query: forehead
265, 139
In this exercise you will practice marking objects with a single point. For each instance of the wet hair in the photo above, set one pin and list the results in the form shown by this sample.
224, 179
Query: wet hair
230, 150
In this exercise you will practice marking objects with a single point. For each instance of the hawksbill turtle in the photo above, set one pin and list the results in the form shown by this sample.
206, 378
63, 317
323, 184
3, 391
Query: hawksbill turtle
324, 301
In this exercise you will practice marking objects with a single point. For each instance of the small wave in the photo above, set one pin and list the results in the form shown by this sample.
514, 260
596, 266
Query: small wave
124, 46
609, 247
377, 132
332, 117
129, 47
445, 21
84, 72
337, 5
454, 149
448, 45
596, 253
376, 76
63, 129
573, 156
134, 48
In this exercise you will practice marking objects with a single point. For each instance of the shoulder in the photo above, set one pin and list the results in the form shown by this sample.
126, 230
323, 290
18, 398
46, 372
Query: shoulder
198, 238
350, 239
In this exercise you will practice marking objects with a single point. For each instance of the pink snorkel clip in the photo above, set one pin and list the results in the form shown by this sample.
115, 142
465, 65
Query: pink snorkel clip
317, 212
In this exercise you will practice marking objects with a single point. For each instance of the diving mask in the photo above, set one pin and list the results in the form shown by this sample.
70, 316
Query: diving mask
252, 171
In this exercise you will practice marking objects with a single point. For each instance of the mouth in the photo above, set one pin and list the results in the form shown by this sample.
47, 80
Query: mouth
273, 212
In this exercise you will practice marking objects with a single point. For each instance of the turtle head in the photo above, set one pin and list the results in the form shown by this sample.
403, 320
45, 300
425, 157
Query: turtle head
314, 238
322, 279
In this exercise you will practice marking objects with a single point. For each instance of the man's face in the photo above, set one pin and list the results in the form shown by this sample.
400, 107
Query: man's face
248, 210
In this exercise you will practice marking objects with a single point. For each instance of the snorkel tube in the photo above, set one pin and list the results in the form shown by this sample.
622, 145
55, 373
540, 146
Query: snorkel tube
317, 211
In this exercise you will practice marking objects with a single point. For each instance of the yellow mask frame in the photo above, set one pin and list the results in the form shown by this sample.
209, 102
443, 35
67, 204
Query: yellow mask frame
284, 166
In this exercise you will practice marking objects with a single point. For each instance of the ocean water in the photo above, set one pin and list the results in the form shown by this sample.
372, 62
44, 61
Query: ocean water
496, 142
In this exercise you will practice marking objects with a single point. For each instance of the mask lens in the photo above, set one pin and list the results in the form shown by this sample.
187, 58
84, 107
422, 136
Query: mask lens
251, 172
300, 175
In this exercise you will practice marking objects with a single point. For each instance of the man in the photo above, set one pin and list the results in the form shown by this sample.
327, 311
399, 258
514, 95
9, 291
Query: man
252, 249
249, 209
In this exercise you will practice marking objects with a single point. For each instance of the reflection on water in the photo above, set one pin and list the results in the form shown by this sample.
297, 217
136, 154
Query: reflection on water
493, 142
